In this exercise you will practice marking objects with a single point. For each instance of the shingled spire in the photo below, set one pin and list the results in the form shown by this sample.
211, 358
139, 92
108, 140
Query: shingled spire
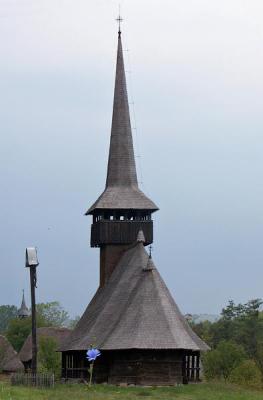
23, 312
121, 163
121, 190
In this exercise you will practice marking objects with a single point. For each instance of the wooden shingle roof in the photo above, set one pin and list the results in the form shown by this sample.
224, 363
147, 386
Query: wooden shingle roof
122, 191
9, 360
134, 310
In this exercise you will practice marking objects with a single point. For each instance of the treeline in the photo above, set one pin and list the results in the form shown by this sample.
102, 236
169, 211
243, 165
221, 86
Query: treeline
236, 342
17, 330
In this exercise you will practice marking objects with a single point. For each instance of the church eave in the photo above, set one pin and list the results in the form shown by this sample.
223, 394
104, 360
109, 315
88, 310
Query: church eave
123, 198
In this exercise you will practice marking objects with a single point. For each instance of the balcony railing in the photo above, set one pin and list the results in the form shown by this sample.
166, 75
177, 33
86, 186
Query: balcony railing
119, 232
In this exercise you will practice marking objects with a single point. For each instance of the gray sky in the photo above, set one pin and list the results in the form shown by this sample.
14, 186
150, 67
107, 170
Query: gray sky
194, 71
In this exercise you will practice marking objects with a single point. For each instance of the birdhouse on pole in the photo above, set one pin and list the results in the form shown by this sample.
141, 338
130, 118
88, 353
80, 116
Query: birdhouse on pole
31, 257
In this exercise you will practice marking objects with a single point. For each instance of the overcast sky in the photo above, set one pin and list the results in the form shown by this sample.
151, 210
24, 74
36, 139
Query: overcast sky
195, 76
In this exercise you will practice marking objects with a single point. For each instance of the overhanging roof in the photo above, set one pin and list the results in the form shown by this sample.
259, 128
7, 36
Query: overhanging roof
134, 310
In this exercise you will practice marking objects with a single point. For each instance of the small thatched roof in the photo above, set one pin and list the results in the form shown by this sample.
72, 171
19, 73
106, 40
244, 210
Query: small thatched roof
122, 191
9, 360
134, 310
59, 334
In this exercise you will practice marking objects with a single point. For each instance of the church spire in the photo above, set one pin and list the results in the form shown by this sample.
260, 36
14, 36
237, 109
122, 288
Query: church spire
121, 162
23, 312
121, 191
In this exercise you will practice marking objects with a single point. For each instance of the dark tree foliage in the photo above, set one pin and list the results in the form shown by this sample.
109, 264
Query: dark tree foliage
19, 329
249, 309
241, 324
6, 314
222, 361
48, 314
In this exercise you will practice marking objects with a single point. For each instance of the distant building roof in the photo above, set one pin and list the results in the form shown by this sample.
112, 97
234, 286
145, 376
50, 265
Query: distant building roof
59, 334
134, 310
9, 360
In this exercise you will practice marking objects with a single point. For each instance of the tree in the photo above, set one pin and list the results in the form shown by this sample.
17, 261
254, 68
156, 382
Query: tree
48, 358
249, 309
246, 374
241, 323
52, 313
7, 313
203, 330
223, 360
19, 329
17, 332
73, 322
48, 314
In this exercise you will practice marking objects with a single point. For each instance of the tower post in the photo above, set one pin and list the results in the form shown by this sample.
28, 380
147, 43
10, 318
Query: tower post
32, 263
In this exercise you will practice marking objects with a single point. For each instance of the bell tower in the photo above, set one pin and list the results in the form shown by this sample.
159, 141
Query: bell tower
122, 210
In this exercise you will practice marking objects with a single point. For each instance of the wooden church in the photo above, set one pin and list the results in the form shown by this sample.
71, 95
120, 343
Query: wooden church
132, 318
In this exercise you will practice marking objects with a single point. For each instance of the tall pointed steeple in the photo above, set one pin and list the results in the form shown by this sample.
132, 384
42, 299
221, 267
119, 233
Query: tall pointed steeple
23, 312
122, 191
121, 163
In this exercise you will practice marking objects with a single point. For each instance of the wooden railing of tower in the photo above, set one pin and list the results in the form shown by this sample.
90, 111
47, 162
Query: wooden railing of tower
119, 232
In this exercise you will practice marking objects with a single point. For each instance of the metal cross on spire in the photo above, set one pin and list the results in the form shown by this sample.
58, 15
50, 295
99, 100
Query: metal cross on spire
119, 20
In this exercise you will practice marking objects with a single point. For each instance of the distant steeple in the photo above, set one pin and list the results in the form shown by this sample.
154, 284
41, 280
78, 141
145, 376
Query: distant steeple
23, 312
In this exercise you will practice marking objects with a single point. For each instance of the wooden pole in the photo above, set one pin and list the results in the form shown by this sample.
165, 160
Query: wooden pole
33, 311
192, 377
198, 367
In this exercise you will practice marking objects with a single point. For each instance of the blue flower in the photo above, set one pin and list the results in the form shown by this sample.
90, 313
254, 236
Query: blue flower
92, 354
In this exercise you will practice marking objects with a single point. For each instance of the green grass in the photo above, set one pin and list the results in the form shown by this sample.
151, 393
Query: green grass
205, 391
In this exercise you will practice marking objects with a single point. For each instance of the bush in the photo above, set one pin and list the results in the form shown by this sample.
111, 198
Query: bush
247, 374
48, 358
220, 363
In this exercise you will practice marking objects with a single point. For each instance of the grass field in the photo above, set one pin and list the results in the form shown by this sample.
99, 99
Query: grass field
80, 392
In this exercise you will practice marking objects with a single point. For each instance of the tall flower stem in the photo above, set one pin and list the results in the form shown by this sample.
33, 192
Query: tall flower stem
91, 372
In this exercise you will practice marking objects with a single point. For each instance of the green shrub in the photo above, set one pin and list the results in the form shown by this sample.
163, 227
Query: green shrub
220, 363
49, 359
247, 374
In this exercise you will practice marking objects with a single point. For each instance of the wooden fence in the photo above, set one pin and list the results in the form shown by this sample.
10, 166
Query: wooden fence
38, 380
